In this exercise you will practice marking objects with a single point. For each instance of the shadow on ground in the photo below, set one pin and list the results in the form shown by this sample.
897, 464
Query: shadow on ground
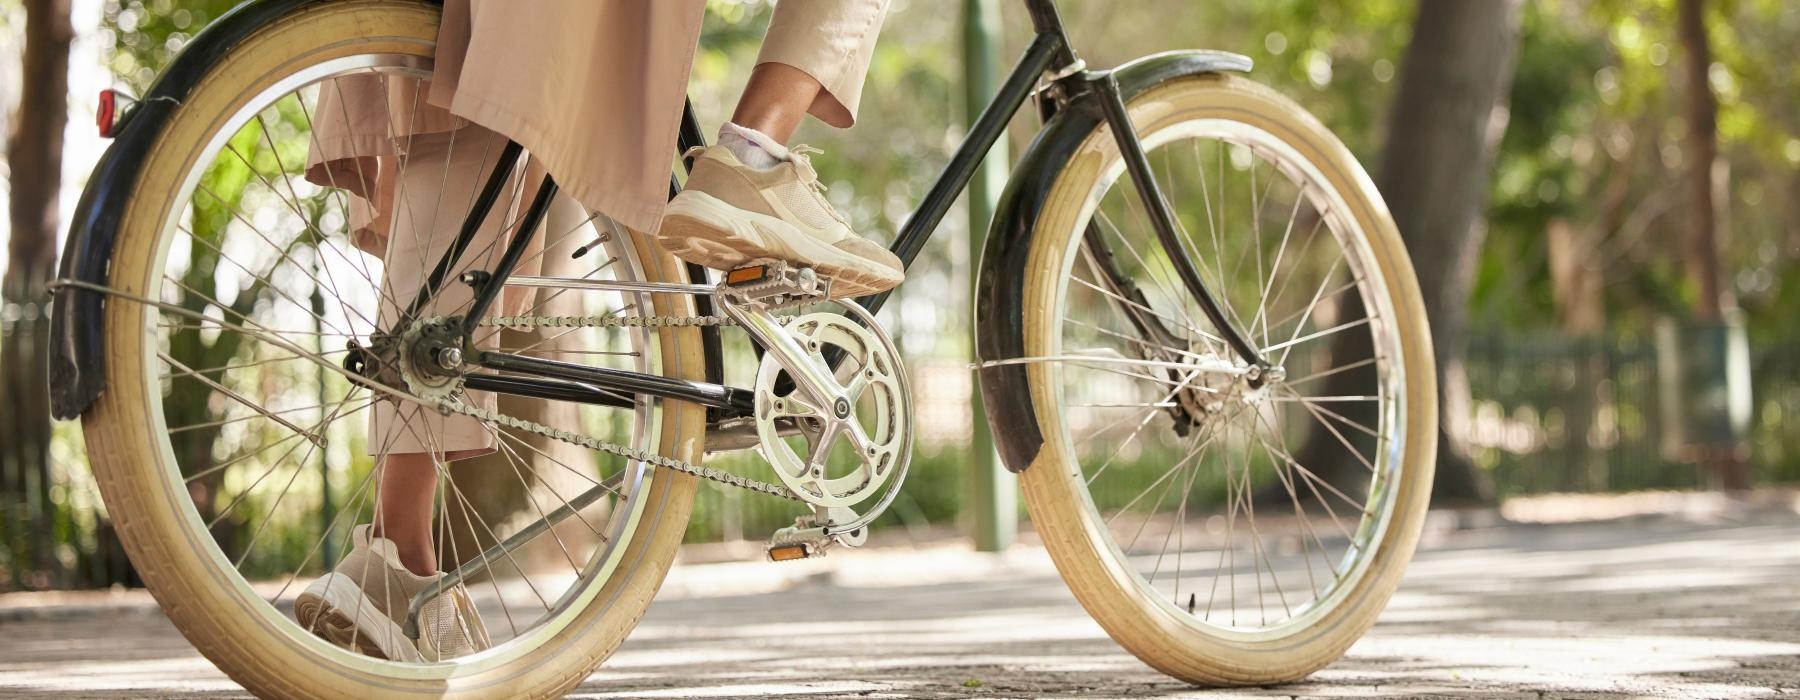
1641, 606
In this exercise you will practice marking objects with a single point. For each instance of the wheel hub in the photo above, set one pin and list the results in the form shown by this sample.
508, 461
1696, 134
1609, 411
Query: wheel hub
1220, 386
425, 359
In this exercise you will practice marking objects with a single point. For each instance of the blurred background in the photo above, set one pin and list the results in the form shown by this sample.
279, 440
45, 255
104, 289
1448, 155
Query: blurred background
1605, 225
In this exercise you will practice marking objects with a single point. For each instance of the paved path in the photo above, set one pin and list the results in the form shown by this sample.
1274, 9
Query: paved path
1637, 606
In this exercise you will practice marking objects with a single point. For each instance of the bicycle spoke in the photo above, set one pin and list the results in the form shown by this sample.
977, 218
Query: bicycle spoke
281, 400
1162, 283
1262, 305
1326, 373
1184, 324
1219, 469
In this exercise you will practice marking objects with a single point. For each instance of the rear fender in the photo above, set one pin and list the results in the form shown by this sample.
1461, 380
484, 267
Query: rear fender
78, 346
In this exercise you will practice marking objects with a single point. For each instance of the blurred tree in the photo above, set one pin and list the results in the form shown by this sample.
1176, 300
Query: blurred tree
34, 154
1701, 160
1706, 175
1443, 131
1593, 155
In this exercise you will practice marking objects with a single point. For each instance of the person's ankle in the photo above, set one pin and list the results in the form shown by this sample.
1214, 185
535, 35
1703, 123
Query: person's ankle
419, 559
752, 148
415, 553
420, 564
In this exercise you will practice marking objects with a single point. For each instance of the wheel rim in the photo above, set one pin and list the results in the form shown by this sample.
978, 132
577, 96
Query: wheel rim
1174, 509
265, 248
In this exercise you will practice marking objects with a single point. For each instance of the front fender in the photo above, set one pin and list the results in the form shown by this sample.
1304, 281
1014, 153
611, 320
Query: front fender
1000, 293
78, 347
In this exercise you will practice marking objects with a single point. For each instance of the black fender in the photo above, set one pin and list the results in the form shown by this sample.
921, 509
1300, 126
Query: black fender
999, 293
78, 347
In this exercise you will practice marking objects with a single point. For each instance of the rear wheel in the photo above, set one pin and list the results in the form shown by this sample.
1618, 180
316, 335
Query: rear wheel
1226, 526
233, 446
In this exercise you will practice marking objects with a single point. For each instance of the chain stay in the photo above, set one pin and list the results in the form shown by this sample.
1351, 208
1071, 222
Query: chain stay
630, 453
528, 322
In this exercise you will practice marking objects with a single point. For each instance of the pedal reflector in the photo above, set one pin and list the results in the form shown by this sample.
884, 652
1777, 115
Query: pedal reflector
746, 275
790, 552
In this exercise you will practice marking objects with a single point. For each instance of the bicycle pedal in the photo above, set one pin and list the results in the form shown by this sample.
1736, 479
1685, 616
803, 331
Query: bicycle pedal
776, 283
806, 539
794, 551
798, 542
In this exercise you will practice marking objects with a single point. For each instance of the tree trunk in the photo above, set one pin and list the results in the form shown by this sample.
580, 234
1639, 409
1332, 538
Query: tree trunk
34, 150
1443, 131
1699, 154
1705, 178
34, 153
1577, 281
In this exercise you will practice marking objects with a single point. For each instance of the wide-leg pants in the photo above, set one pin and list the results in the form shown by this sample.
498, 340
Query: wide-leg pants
593, 89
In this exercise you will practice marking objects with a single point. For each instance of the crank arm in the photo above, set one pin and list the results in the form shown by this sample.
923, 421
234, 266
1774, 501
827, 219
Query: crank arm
809, 538
738, 434
811, 377
746, 296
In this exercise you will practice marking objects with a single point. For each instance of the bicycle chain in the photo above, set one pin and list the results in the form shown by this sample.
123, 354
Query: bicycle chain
594, 443
526, 322
630, 453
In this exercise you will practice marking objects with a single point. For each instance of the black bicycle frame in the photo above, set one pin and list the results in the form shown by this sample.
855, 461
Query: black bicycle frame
1048, 53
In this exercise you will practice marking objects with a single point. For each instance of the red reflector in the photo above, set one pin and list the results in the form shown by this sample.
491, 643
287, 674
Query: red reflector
107, 113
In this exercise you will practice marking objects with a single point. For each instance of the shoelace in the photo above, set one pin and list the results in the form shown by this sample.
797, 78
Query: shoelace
797, 154
810, 177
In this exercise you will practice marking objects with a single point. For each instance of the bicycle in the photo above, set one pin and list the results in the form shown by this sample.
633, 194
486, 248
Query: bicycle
215, 364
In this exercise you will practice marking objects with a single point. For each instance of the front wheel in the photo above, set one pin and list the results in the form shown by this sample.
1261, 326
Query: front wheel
1227, 525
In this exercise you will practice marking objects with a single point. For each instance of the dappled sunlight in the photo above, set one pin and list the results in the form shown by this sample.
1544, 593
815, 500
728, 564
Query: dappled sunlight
1646, 606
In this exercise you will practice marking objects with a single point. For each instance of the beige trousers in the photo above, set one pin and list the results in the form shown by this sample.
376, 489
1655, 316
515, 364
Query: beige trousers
593, 89
439, 178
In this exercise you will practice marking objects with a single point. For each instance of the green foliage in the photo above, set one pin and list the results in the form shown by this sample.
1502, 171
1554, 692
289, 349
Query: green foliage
147, 34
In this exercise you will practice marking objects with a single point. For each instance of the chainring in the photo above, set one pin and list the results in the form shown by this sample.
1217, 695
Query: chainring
875, 431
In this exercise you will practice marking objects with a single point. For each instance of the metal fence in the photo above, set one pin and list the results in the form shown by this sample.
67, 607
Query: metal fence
1587, 414
1775, 425
1554, 414
53, 531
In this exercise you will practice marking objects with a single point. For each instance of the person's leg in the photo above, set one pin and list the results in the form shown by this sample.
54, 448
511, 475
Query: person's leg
750, 199
776, 99
442, 172
403, 512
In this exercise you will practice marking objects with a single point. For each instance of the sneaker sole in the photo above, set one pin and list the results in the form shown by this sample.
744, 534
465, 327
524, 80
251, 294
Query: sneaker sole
333, 612
704, 230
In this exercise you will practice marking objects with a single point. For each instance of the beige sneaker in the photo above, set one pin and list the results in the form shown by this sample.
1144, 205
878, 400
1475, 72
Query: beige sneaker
731, 215
361, 605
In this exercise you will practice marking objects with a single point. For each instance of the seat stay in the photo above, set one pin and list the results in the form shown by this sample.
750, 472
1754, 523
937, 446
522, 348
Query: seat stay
478, 214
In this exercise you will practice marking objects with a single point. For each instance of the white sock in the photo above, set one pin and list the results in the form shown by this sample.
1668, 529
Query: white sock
753, 148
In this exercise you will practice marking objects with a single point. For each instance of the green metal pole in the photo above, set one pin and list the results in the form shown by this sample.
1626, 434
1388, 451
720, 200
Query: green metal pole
992, 503
327, 513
